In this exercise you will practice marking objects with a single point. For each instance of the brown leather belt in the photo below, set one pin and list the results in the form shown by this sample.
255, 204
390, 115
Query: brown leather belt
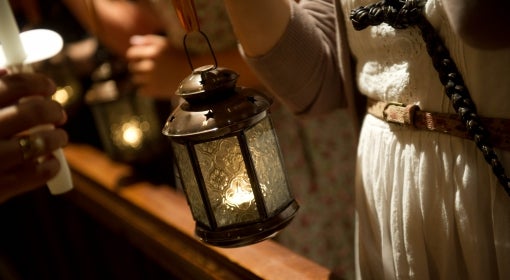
451, 124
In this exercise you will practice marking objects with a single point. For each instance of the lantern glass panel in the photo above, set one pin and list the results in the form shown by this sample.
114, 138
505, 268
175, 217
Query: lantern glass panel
227, 181
190, 183
267, 159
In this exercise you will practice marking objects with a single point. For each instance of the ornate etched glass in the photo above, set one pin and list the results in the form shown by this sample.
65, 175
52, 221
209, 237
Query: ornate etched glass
229, 160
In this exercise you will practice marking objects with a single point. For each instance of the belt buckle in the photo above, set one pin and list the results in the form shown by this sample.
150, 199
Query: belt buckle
399, 113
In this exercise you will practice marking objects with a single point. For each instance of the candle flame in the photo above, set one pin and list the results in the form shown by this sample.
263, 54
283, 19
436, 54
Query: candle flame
130, 134
239, 193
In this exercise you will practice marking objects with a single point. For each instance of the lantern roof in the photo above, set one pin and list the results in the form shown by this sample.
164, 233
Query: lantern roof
214, 104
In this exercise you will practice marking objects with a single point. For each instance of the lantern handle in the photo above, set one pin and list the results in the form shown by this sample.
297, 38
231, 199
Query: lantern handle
187, 14
208, 44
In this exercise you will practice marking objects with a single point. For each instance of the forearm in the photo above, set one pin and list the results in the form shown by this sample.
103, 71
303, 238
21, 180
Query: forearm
480, 23
114, 22
298, 63
258, 24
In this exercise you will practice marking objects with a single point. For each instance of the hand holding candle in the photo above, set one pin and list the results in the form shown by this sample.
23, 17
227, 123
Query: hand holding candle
20, 51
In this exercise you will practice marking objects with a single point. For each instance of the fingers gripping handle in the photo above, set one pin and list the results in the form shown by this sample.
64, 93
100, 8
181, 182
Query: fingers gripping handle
187, 14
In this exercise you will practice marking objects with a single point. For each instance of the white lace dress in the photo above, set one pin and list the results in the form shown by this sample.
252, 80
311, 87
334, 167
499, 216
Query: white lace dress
429, 206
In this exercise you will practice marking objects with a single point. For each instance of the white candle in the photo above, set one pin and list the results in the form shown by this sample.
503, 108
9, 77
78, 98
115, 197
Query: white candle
9, 36
15, 56
239, 194
62, 182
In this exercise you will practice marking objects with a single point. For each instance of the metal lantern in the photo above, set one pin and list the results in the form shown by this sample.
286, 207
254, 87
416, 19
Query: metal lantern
229, 160
127, 123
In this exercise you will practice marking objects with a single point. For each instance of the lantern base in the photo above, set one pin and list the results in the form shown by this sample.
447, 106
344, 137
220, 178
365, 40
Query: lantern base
244, 235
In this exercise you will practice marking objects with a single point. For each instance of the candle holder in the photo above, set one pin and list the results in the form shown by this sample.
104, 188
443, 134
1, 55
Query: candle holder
229, 160
127, 123
227, 153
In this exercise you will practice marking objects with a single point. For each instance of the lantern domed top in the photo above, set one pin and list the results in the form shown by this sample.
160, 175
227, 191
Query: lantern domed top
206, 83
214, 105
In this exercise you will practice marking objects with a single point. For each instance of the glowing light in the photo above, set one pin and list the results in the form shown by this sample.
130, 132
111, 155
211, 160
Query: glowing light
239, 193
63, 95
130, 133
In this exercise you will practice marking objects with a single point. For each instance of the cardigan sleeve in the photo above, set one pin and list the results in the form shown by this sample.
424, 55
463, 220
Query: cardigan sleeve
302, 69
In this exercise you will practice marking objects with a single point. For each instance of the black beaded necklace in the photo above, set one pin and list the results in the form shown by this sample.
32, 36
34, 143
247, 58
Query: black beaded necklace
402, 14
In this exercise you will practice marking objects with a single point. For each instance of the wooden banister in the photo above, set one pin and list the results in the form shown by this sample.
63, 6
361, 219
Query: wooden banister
157, 220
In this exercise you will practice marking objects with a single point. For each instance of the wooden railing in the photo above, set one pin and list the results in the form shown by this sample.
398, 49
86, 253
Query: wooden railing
157, 220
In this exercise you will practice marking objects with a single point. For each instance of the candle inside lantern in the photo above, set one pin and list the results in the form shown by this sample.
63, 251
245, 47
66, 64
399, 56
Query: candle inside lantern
130, 133
239, 194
